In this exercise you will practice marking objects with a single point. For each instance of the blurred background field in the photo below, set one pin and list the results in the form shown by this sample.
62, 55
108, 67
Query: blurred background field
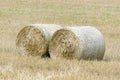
15, 14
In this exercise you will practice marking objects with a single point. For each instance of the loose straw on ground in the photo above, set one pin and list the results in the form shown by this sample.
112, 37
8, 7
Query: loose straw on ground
34, 39
78, 43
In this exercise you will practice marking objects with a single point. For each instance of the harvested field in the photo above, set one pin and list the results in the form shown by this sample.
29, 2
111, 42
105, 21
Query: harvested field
16, 14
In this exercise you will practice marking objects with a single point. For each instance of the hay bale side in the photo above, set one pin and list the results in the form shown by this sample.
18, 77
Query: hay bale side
77, 42
34, 39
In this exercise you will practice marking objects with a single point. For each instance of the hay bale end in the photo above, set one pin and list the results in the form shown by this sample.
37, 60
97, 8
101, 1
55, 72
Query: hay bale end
34, 39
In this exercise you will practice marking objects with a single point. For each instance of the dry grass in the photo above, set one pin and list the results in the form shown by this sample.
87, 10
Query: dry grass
15, 14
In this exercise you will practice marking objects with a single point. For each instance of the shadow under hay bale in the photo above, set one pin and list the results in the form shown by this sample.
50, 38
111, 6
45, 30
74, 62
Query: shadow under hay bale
78, 43
34, 39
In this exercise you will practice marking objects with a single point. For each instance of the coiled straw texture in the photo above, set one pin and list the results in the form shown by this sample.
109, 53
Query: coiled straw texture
34, 39
78, 43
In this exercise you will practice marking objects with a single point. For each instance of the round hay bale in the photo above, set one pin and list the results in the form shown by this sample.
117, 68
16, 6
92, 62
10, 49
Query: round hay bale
78, 43
34, 39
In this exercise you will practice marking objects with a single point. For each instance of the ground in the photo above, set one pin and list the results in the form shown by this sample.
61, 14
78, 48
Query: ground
102, 14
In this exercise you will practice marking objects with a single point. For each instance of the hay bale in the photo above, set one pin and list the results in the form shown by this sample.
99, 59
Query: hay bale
78, 43
34, 39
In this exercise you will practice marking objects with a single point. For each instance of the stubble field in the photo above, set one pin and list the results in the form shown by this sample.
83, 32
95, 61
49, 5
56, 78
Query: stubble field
15, 14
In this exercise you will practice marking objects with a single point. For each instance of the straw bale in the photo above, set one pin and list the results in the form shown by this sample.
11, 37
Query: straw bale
34, 39
77, 42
